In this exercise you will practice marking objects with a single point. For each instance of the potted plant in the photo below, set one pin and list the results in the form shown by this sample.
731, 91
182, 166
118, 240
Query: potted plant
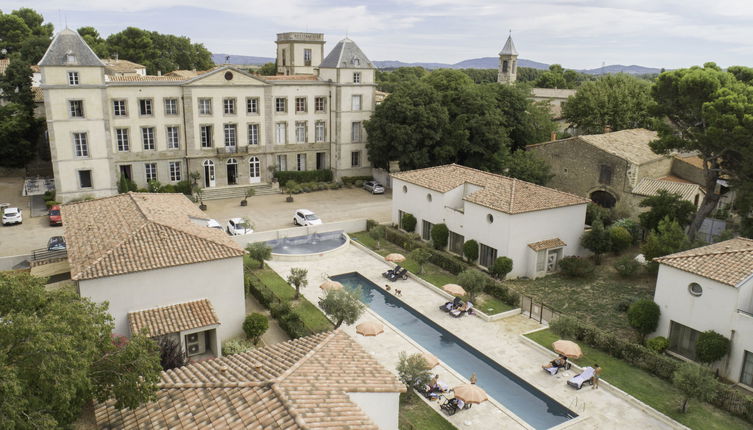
200, 197
248, 193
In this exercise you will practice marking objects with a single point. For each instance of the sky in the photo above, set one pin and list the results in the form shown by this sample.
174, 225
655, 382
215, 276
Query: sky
580, 34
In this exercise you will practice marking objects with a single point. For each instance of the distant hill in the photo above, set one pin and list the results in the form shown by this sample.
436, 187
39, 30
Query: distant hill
474, 63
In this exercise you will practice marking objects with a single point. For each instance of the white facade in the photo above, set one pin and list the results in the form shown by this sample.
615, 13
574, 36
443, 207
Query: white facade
382, 408
219, 281
509, 235
726, 309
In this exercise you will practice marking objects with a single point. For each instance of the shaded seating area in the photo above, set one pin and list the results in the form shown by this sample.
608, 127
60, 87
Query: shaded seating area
396, 273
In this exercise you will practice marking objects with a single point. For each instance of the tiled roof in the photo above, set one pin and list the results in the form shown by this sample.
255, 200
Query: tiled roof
498, 192
299, 384
289, 78
631, 145
552, 93
140, 78
729, 262
547, 244
346, 55
69, 42
139, 231
673, 178
651, 187
509, 48
693, 160
173, 318
121, 66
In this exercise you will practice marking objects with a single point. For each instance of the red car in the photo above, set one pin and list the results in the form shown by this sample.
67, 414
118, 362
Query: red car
55, 217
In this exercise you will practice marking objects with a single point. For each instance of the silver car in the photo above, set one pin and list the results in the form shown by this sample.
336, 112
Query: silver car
374, 187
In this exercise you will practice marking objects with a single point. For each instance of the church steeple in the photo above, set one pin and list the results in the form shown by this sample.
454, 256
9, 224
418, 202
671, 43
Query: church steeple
508, 63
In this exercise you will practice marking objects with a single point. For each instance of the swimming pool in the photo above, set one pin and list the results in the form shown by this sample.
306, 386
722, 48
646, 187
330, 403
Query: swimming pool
311, 244
534, 407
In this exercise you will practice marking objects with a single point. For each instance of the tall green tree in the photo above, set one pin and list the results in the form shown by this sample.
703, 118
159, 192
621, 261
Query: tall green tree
598, 240
473, 282
13, 32
706, 110
663, 205
389, 81
159, 52
667, 239
342, 306
57, 354
695, 382
617, 102
18, 127
527, 166
95, 41
34, 46
298, 279
267, 69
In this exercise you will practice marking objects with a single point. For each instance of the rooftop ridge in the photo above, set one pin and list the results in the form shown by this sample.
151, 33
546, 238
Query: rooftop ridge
288, 405
281, 377
110, 251
703, 254
221, 384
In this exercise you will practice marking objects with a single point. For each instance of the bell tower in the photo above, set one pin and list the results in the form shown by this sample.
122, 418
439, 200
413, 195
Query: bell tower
508, 63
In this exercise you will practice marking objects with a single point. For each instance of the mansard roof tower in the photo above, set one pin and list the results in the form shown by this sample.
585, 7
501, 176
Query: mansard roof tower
508, 63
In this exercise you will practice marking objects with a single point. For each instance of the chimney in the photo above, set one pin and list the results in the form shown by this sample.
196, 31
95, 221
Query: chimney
159, 72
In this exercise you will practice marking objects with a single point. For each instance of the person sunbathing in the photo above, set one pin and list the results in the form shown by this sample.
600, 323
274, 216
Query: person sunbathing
555, 365
462, 309
448, 306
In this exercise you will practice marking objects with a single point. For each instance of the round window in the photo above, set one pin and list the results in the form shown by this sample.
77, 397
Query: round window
428, 197
695, 289
489, 218
228, 75
405, 188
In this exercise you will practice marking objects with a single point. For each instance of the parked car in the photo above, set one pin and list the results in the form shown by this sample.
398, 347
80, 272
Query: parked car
55, 217
12, 216
374, 187
212, 223
305, 217
238, 227
56, 243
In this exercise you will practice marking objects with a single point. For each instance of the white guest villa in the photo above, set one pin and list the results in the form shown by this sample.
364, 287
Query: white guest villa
231, 127
710, 288
533, 225
152, 258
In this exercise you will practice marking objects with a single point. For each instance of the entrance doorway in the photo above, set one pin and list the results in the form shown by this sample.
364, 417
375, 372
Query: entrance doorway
232, 171
254, 170
125, 172
603, 199
209, 181
321, 160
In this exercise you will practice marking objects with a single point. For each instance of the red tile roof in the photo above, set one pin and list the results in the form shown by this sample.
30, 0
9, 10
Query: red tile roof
729, 262
173, 318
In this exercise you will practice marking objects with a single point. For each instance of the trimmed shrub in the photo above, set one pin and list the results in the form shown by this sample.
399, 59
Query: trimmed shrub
594, 212
658, 344
643, 316
439, 236
627, 267
631, 226
503, 293
470, 250
280, 309
710, 347
350, 180
370, 223
501, 267
283, 177
408, 223
183, 187
446, 261
235, 346
254, 326
576, 267
51, 203
293, 325
49, 195
621, 239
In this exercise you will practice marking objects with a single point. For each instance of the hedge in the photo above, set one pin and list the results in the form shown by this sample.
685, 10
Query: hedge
350, 180
370, 223
663, 366
280, 308
305, 176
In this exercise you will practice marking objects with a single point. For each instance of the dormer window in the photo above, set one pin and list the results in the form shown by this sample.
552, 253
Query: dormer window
72, 78
70, 58
356, 61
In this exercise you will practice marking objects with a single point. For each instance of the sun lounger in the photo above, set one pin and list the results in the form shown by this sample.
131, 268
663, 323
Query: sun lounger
457, 313
390, 273
584, 377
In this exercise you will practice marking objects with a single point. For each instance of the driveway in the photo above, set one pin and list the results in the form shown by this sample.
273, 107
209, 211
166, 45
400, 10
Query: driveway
272, 212
33, 233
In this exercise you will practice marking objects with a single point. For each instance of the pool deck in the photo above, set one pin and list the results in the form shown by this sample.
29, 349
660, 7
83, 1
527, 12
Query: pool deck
500, 340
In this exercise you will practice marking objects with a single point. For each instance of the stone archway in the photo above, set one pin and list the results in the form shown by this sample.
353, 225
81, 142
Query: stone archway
603, 198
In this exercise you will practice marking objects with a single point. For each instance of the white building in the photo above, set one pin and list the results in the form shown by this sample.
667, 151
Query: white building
326, 381
535, 226
231, 127
710, 288
152, 258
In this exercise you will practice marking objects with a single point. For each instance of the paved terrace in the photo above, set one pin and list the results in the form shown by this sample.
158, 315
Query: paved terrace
500, 340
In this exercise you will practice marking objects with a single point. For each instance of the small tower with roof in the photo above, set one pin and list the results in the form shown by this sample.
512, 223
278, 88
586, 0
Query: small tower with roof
508, 63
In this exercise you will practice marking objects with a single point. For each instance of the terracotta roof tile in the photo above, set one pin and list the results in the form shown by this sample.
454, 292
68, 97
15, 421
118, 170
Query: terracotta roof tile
497, 192
547, 244
139, 231
289, 78
729, 262
651, 187
173, 318
631, 145
298, 384
139, 78
113, 65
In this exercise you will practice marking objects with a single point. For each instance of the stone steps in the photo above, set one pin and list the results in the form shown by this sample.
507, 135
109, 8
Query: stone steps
237, 191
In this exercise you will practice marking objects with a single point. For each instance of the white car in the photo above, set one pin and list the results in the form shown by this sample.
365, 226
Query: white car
238, 227
12, 216
212, 223
305, 217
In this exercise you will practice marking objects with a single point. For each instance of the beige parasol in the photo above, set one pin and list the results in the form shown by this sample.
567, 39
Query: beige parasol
567, 348
454, 289
431, 360
370, 328
395, 258
331, 285
470, 393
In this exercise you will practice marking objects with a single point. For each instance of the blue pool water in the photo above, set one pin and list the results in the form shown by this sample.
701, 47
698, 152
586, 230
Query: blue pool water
534, 407
308, 244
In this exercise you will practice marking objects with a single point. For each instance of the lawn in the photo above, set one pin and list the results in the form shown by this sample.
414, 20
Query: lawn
654, 391
312, 317
415, 414
431, 273
594, 299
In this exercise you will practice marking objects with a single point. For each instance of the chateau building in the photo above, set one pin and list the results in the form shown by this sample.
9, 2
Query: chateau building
231, 127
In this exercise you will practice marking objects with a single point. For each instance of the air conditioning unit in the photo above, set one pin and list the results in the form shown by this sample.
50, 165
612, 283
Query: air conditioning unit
195, 343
